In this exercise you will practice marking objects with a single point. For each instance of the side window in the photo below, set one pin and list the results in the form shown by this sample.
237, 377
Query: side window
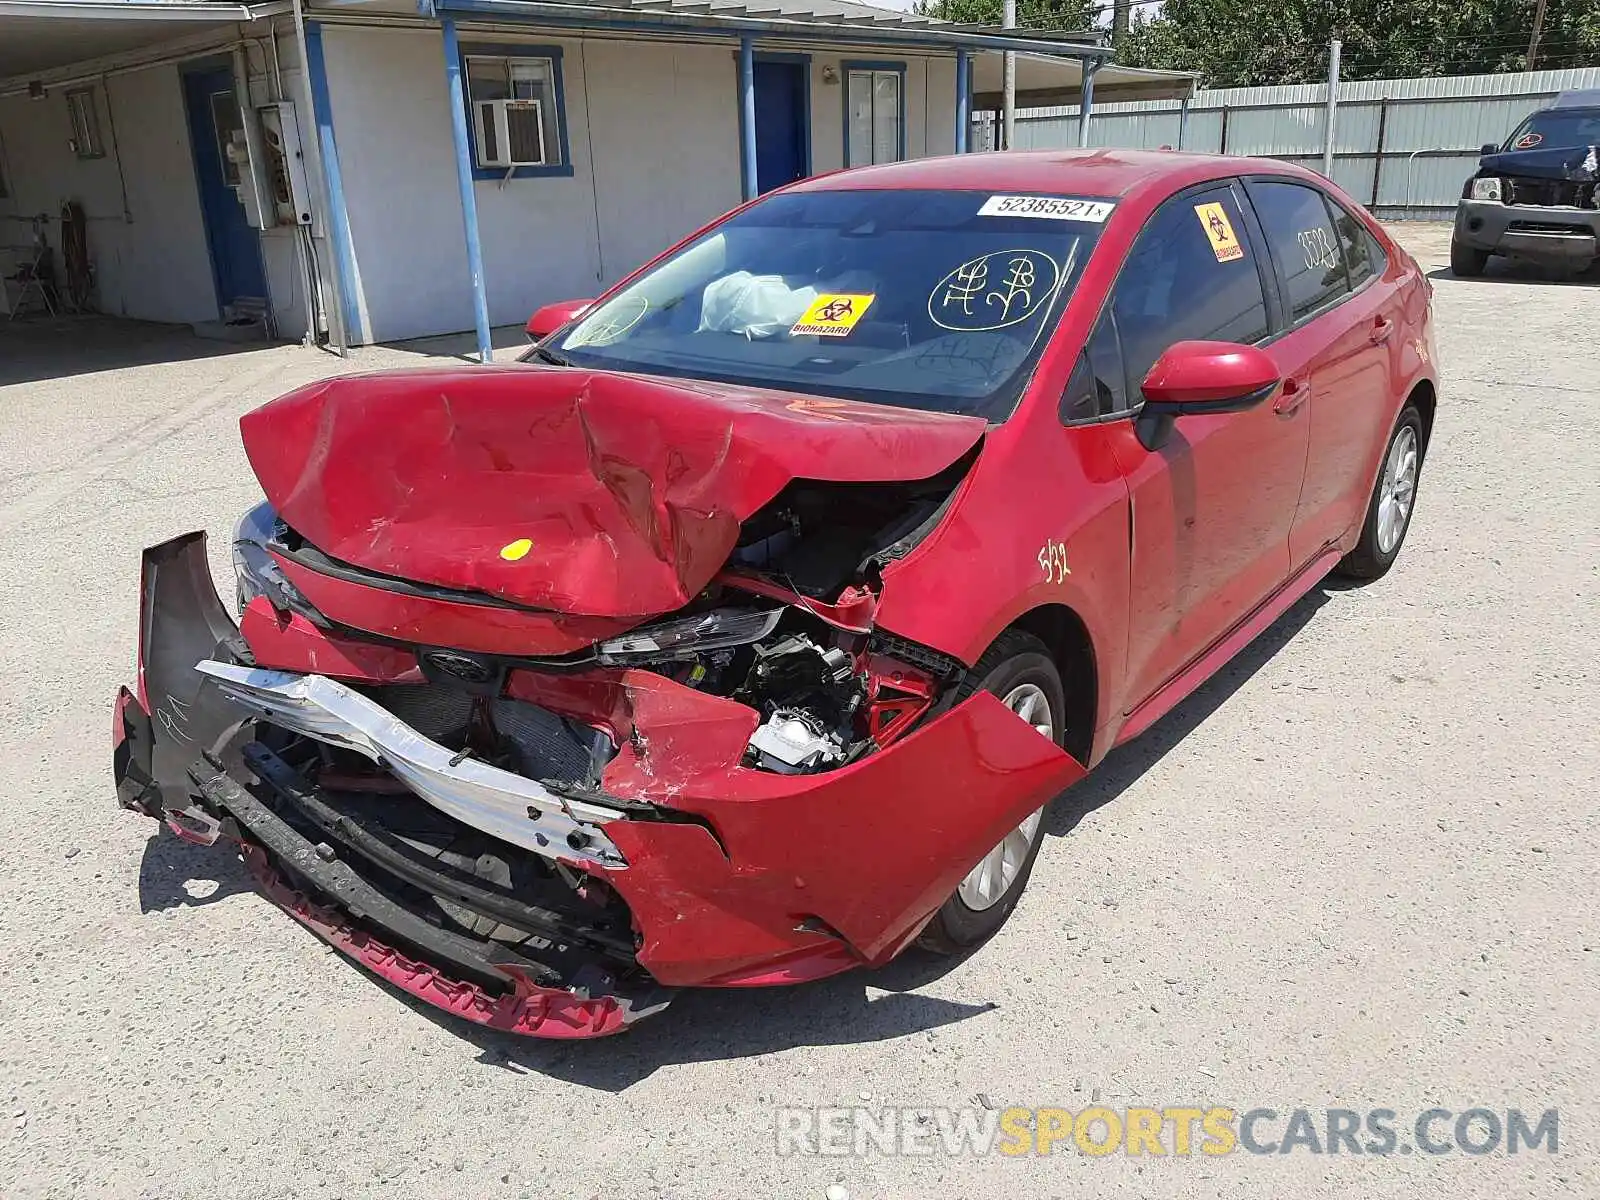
1190, 275
1362, 257
1096, 387
875, 113
514, 107
1303, 243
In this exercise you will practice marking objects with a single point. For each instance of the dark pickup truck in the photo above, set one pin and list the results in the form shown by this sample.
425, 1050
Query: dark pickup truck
1536, 196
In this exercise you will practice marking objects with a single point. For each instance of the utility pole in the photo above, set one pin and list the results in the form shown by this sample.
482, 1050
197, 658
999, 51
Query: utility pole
1533, 42
1008, 20
1333, 107
1121, 12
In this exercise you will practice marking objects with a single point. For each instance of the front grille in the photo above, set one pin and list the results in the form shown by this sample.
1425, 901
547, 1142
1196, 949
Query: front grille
435, 712
1550, 192
548, 747
1546, 227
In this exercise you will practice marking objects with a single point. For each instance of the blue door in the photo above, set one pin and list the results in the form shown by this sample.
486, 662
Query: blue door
213, 110
783, 122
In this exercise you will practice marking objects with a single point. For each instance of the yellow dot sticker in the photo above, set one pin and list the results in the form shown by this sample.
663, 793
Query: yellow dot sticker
512, 551
832, 315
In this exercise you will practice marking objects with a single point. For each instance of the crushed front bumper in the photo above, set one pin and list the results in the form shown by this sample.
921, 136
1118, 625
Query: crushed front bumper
1551, 234
730, 876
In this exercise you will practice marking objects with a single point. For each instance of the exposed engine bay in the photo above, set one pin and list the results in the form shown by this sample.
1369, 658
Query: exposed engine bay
827, 689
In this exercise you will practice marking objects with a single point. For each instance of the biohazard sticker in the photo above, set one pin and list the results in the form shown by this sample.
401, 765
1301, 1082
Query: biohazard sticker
832, 315
1219, 231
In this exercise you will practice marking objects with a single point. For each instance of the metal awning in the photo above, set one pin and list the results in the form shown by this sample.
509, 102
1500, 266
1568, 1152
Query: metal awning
41, 36
778, 20
1046, 82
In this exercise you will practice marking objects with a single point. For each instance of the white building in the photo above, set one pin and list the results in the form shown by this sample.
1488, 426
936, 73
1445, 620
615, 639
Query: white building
455, 167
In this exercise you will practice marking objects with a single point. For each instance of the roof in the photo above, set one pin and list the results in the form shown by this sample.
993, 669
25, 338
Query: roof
1110, 174
1578, 98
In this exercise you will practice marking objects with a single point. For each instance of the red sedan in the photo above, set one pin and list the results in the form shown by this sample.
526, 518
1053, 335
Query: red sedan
740, 634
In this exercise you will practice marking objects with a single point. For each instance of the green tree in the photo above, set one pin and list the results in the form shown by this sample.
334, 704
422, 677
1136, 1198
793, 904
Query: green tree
1242, 43
1061, 16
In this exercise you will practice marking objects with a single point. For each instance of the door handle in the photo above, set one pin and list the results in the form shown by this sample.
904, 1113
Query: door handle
1291, 396
1382, 327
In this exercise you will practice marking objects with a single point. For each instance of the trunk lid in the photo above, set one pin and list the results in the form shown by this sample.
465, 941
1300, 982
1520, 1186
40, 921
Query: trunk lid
564, 489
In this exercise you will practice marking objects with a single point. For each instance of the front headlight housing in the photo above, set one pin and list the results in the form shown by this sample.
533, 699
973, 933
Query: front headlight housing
1486, 189
719, 629
256, 571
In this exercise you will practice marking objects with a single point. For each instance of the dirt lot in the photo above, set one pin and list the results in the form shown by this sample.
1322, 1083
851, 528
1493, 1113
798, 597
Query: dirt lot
1356, 871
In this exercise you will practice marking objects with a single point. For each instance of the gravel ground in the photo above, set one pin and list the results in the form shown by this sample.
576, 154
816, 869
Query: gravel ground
1357, 870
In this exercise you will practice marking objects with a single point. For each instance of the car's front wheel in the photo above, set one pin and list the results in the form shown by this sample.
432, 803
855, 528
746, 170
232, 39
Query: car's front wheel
1019, 670
1393, 498
1467, 262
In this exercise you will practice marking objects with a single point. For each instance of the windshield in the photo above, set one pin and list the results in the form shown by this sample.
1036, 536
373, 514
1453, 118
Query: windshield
923, 299
1557, 128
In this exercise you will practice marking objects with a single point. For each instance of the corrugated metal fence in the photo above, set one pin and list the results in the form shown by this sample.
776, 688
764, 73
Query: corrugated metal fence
1402, 146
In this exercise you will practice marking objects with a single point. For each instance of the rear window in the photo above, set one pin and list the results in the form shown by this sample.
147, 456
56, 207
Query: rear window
921, 299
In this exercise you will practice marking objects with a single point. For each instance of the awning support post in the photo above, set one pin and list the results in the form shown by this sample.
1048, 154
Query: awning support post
963, 101
1086, 101
342, 309
469, 199
1183, 121
747, 115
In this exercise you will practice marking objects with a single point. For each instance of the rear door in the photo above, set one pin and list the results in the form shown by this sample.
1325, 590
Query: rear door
1340, 316
1211, 507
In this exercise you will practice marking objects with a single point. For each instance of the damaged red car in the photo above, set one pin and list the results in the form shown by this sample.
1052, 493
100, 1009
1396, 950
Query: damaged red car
740, 633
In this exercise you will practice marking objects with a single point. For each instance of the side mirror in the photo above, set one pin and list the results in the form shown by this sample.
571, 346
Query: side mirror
1490, 148
553, 316
1193, 378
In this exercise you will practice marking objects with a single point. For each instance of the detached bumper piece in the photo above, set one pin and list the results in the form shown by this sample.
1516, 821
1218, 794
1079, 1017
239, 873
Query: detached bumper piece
501, 803
183, 753
487, 985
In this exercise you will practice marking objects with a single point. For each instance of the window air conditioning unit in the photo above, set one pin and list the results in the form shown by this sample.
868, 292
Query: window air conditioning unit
510, 133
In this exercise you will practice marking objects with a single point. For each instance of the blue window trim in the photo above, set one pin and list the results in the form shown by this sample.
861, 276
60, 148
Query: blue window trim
776, 56
516, 50
867, 64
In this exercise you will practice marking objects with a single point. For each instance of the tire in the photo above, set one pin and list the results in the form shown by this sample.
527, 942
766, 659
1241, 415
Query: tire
1015, 662
1467, 262
1380, 546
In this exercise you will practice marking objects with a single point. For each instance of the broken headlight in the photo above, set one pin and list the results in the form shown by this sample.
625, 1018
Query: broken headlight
1486, 189
257, 572
715, 630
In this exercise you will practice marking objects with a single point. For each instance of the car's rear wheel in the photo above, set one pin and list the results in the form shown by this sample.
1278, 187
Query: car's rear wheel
1393, 499
1018, 669
1467, 262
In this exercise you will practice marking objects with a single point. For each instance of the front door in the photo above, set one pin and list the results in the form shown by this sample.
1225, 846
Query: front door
213, 109
1212, 506
783, 122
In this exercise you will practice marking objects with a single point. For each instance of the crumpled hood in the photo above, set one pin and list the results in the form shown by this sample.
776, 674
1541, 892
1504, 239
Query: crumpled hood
1578, 164
564, 489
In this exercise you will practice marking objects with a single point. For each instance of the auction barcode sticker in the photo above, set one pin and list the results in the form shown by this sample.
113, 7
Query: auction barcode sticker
1050, 208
